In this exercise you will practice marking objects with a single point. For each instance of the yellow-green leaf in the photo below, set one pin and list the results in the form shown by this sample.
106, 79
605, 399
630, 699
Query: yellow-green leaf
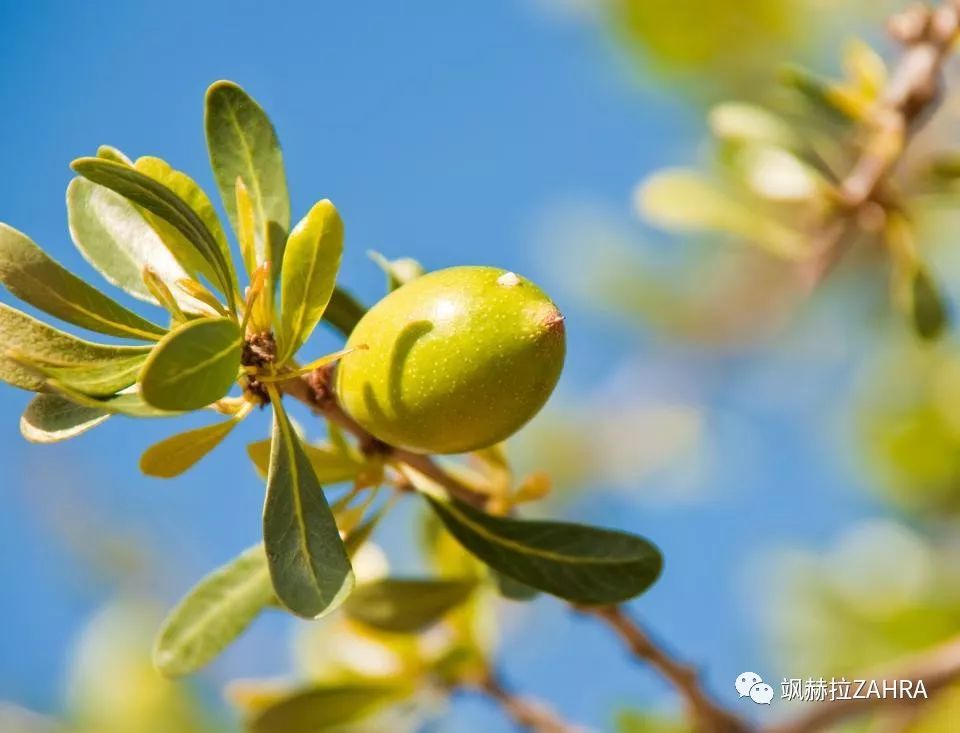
308, 562
50, 418
407, 605
174, 455
159, 200
214, 613
36, 278
24, 338
243, 144
310, 265
125, 403
192, 366
93, 379
327, 708
330, 466
399, 272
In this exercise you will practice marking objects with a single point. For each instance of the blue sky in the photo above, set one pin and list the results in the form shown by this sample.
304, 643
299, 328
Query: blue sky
442, 131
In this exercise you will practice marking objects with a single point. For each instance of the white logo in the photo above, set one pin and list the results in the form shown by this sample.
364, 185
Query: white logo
750, 684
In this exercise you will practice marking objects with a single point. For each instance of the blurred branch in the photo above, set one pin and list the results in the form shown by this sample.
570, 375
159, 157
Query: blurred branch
710, 717
938, 668
528, 714
928, 36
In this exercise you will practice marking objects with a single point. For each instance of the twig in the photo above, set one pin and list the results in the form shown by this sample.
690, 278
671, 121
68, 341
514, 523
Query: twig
912, 91
710, 717
528, 714
938, 668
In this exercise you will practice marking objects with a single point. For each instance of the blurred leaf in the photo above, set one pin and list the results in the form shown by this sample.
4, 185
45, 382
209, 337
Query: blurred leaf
24, 337
50, 418
159, 200
406, 605
777, 174
343, 311
94, 379
327, 708
311, 262
308, 562
687, 201
576, 562
399, 272
745, 123
30, 274
191, 194
213, 614
174, 455
192, 366
243, 144
330, 466
865, 67
113, 235
838, 103
929, 312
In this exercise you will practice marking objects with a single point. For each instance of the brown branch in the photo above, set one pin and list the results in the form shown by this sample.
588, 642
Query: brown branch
912, 91
938, 668
710, 717
527, 713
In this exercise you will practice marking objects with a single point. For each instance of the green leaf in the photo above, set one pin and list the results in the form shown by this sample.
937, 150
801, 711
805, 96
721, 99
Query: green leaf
159, 200
514, 589
688, 201
929, 312
327, 708
24, 338
329, 465
126, 403
582, 564
310, 265
34, 277
183, 186
95, 380
174, 455
108, 152
115, 237
406, 605
243, 144
214, 613
343, 311
192, 366
50, 418
308, 562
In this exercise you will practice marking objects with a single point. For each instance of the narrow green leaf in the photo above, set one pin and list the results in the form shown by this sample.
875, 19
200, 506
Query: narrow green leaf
126, 403
36, 278
196, 198
329, 465
327, 708
115, 237
23, 337
929, 312
581, 564
192, 366
308, 562
50, 418
94, 379
159, 200
310, 265
406, 605
214, 613
174, 455
243, 144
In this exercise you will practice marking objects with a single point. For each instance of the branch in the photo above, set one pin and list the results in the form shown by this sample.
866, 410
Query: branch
315, 391
928, 36
938, 668
528, 714
710, 717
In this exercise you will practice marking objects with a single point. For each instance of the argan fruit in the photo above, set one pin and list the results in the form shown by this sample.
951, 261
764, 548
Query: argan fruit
455, 360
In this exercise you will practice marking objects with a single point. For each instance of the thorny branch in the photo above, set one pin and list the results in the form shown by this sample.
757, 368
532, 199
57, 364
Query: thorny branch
928, 36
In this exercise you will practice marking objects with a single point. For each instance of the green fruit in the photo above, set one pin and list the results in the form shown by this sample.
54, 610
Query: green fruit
456, 360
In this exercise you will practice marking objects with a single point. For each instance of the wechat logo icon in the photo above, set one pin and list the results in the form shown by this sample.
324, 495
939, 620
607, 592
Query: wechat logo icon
750, 684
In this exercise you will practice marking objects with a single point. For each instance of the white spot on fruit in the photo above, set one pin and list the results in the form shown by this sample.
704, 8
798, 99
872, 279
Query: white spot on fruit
508, 279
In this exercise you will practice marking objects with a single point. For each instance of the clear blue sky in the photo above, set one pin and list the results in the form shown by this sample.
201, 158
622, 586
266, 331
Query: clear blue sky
441, 130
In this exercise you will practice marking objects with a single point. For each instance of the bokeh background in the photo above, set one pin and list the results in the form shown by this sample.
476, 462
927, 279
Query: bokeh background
795, 458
